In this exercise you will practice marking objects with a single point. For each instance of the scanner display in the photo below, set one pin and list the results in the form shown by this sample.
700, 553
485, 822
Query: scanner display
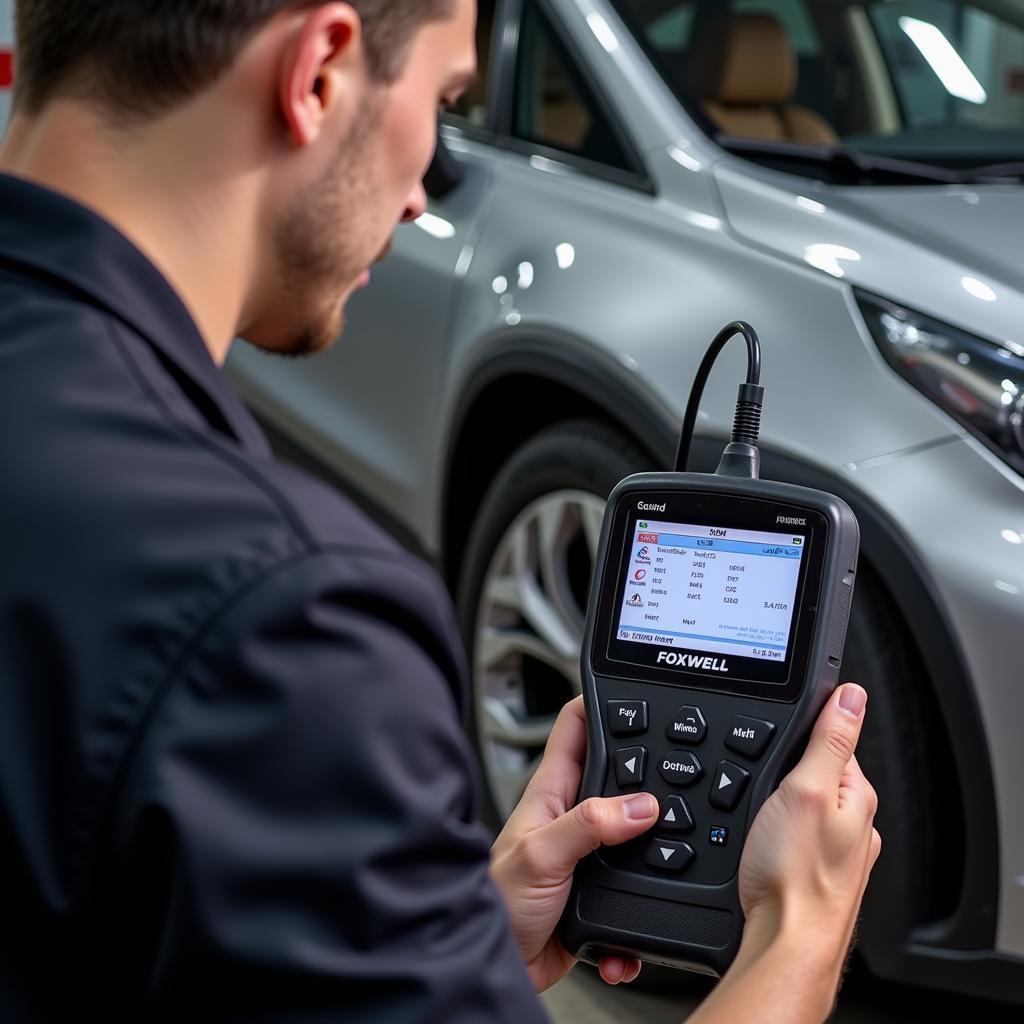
714, 589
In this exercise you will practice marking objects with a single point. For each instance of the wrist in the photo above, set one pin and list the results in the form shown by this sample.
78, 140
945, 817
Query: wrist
784, 970
809, 944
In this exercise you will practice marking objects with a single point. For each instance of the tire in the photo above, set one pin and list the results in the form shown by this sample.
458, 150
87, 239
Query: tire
899, 748
523, 669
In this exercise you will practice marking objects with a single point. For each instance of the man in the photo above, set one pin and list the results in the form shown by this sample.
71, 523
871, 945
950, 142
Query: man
233, 782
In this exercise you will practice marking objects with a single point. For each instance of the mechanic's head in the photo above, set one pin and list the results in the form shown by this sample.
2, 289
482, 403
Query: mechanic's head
322, 115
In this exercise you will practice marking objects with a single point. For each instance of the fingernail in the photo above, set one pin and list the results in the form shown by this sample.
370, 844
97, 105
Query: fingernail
852, 699
641, 806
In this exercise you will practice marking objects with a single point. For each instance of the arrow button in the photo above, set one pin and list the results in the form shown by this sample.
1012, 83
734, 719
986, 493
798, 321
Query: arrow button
675, 815
729, 785
630, 763
669, 855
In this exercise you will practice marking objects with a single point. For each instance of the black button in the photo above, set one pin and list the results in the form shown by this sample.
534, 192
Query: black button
681, 768
629, 766
749, 736
627, 717
718, 836
669, 854
687, 726
730, 782
675, 815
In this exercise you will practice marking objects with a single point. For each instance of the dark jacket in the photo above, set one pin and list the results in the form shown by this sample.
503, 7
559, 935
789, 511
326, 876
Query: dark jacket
233, 783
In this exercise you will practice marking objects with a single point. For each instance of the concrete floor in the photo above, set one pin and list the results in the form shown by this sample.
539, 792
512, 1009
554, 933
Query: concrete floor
582, 998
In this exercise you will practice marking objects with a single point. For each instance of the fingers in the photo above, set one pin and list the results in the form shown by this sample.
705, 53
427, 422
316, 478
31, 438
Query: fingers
834, 739
876, 847
554, 850
615, 969
855, 789
558, 775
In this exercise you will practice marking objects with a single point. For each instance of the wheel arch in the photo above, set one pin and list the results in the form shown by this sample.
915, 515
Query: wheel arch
563, 378
527, 382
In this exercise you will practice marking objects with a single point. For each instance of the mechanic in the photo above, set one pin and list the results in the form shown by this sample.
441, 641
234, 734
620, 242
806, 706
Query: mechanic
233, 777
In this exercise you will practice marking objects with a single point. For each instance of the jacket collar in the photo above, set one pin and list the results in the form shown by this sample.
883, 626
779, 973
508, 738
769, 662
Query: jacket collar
46, 234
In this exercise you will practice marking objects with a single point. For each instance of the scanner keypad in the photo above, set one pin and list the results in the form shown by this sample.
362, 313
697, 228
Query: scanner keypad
707, 757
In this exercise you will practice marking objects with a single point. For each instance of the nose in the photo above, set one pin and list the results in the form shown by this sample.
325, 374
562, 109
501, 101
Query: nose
416, 204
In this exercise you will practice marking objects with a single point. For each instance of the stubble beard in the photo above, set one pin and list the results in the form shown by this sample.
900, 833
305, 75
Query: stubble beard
320, 250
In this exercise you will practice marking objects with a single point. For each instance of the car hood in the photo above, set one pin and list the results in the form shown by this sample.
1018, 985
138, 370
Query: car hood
952, 252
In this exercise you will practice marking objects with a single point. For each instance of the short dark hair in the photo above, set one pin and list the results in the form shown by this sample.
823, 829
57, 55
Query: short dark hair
141, 57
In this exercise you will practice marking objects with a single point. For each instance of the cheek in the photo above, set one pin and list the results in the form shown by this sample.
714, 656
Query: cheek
412, 141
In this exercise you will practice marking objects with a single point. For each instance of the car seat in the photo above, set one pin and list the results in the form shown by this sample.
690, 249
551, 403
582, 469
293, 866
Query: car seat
745, 75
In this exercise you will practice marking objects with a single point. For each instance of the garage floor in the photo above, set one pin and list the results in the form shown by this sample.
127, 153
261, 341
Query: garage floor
582, 998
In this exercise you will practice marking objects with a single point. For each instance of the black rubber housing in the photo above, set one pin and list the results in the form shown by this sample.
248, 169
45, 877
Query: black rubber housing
692, 924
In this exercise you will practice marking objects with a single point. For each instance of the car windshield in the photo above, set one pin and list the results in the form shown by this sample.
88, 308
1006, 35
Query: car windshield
937, 83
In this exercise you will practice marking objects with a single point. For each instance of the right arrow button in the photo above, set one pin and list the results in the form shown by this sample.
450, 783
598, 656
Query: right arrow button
728, 786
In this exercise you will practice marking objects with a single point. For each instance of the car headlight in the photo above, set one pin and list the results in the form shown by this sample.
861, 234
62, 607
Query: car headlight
979, 383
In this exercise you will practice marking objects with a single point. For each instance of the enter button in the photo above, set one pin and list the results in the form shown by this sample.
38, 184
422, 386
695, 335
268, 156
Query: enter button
681, 768
749, 736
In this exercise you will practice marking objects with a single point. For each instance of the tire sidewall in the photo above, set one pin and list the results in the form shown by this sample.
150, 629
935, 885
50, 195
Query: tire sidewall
581, 456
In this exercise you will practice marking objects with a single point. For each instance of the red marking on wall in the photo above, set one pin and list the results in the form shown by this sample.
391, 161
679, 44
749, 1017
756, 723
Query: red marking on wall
1015, 80
6, 69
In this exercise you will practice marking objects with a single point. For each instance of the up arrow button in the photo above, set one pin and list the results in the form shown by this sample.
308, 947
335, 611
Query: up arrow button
675, 815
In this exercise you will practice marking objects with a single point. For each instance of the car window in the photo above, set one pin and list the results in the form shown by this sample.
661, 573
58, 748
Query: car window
795, 19
671, 30
473, 105
953, 64
929, 81
553, 104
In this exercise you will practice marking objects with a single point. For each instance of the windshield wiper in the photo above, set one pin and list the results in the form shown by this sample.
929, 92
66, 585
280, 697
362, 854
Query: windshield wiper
844, 166
1010, 170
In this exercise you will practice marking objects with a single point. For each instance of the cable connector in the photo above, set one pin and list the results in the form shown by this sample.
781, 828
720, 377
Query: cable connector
741, 457
746, 427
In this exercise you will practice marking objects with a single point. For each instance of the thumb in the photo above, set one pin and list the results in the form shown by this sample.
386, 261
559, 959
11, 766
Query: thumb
835, 736
597, 821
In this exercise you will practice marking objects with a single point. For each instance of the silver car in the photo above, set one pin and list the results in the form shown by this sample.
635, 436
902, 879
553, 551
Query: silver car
628, 176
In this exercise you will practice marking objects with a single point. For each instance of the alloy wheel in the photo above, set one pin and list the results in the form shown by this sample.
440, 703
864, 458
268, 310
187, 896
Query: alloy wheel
529, 628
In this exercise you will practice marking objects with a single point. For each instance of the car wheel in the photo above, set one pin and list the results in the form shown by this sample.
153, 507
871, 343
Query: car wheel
523, 593
902, 741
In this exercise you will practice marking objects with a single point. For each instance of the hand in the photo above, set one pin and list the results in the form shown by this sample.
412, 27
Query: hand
532, 861
812, 845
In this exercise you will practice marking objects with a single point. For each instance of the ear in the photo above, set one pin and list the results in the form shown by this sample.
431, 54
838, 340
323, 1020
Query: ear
323, 66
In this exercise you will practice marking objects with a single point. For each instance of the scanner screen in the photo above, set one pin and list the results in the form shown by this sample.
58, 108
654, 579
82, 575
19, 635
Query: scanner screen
705, 588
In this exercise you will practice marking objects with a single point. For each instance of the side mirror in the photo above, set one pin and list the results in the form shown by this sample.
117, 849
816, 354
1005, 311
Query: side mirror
445, 172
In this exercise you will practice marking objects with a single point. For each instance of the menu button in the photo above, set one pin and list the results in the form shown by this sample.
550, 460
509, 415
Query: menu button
687, 726
749, 736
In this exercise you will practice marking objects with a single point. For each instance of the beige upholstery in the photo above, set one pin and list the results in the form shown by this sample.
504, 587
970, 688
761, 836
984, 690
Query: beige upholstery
745, 73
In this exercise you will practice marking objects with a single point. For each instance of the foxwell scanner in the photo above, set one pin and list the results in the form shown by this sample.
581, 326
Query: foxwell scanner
714, 635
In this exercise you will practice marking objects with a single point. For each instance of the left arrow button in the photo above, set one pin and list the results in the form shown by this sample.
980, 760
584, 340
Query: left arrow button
630, 763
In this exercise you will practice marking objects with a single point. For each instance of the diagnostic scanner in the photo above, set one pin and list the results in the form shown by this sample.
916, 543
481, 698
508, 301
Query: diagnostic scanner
714, 637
